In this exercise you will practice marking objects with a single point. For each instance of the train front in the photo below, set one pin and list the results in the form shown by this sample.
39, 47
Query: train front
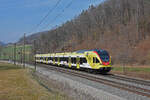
104, 61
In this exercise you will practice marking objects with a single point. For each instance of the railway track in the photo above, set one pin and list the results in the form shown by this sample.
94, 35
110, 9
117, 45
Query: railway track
95, 78
132, 80
119, 85
127, 79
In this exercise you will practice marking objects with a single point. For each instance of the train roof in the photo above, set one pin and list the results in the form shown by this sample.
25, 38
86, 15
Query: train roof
82, 51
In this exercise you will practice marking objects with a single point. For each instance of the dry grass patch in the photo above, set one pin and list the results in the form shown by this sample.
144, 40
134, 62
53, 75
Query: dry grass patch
17, 84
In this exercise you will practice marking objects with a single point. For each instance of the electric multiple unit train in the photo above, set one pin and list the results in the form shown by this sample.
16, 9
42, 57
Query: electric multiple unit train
97, 59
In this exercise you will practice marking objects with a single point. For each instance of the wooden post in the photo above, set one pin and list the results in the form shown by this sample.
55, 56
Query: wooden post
24, 51
21, 55
34, 55
15, 54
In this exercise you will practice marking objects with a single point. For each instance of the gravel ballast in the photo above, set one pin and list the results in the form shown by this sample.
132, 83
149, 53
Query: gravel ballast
81, 91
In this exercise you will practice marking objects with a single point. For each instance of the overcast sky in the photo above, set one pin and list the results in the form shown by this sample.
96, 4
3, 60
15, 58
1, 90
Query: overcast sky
21, 16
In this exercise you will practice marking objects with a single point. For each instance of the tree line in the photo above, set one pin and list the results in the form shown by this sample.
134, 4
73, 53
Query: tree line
119, 26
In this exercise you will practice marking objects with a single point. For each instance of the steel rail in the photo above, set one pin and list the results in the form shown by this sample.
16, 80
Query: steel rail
122, 86
133, 80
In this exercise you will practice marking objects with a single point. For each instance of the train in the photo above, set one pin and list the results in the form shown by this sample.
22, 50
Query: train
97, 60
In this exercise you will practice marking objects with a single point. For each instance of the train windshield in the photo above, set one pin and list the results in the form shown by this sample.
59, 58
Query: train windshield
103, 55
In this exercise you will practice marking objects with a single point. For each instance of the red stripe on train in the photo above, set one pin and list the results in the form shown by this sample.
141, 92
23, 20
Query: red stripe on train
104, 63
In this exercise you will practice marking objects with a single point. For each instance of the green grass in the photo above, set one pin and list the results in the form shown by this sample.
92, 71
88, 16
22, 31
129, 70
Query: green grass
8, 52
130, 69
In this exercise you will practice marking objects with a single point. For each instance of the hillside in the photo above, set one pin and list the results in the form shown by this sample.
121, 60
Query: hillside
119, 26
2, 44
31, 38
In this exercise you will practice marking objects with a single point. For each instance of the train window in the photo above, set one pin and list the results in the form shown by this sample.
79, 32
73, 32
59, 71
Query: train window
67, 59
49, 58
83, 60
104, 56
64, 59
56, 59
73, 60
95, 60
61, 58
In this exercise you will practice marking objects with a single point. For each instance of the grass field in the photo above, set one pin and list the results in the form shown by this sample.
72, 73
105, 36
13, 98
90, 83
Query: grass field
132, 69
8, 52
18, 84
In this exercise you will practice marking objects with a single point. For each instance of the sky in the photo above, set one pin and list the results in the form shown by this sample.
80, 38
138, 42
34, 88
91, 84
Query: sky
22, 16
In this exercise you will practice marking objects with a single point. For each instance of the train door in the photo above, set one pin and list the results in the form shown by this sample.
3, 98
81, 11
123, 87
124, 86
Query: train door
63, 59
54, 60
78, 62
46, 60
58, 60
69, 62
94, 61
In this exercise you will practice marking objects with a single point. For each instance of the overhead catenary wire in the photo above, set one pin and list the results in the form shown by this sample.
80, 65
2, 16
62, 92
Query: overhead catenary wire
44, 18
56, 17
59, 14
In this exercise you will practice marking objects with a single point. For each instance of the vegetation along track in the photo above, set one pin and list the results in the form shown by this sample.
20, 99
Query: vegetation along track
122, 86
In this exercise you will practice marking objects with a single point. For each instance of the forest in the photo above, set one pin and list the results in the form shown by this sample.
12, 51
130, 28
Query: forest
122, 27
